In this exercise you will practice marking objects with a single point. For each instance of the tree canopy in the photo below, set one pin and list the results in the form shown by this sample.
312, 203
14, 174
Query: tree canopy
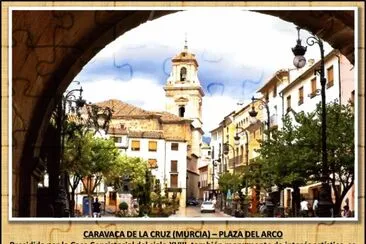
229, 181
132, 167
292, 156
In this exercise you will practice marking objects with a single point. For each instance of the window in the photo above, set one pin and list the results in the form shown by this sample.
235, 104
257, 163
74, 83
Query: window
209, 153
288, 102
301, 95
116, 139
174, 166
181, 111
313, 87
135, 145
330, 76
174, 146
153, 146
152, 163
183, 74
275, 90
173, 180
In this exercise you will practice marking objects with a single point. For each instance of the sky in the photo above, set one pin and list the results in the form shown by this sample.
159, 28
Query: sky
237, 52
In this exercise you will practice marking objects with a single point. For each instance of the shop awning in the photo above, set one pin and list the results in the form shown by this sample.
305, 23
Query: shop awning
306, 189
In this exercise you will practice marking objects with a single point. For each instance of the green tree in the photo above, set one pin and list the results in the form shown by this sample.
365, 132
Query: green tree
282, 161
340, 147
76, 157
132, 167
143, 193
139, 176
291, 157
229, 181
87, 158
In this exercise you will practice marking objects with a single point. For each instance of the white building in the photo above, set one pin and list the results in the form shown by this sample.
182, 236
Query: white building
296, 90
206, 181
216, 149
166, 159
183, 98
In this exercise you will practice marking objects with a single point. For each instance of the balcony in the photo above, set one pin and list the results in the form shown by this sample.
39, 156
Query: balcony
239, 161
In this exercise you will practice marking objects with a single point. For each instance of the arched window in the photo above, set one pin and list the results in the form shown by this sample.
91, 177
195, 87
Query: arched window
183, 74
181, 111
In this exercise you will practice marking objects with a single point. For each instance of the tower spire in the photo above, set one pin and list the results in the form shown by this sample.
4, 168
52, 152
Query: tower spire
185, 42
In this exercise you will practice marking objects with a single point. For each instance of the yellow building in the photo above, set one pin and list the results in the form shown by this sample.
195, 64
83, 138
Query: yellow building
250, 131
228, 132
239, 154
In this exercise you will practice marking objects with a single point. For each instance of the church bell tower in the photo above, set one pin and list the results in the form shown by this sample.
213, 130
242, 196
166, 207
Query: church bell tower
184, 94
183, 90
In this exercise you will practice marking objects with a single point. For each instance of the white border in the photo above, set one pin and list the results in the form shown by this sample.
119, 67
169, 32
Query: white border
185, 219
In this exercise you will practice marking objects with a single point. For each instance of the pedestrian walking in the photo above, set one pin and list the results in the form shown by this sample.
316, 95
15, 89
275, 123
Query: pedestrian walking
96, 208
304, 208
315, 207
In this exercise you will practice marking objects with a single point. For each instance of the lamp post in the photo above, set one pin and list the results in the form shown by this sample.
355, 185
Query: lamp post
214, 164
226, 152
254, 113
96, 117
264, 104
325, 203
237, 142
72, 103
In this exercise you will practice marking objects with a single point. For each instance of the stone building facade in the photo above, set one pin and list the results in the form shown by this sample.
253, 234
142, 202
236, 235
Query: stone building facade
184, 99
159, 138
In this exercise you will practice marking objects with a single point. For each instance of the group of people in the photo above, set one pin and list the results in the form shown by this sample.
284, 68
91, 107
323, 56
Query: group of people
308, 210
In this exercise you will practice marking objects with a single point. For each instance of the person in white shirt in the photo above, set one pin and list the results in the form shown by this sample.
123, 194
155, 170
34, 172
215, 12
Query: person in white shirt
315, 207
304, 208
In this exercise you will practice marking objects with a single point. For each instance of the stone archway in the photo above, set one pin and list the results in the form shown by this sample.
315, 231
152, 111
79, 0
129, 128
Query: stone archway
51, 47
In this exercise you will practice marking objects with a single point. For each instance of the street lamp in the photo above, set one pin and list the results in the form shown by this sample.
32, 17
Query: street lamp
237, 142
264, 104
96, 117
214, 164
226, 152
325, 203
68, 103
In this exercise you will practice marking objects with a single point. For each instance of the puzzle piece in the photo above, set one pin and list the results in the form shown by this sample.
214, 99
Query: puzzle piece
66, 21
211, 57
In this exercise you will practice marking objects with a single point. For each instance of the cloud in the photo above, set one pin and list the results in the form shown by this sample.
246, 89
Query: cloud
236, 50
144, 93
214, 109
